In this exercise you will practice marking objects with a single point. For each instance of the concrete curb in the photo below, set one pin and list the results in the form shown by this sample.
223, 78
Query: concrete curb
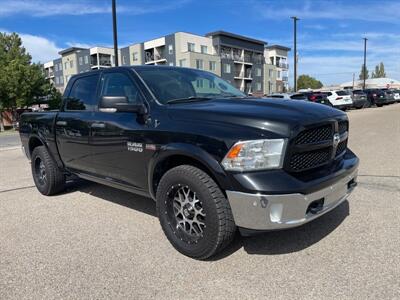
10, 148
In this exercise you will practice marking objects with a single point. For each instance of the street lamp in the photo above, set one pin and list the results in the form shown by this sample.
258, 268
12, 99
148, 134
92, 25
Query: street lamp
365, 62
295, 19
114, 17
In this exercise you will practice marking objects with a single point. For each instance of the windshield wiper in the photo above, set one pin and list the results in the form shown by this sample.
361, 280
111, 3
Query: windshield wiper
188, 99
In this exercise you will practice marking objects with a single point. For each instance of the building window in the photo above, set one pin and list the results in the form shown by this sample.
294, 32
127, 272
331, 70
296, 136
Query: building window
134, 56
227, 68
56, 67
258, 86
213, 66
182, 62
270, 73
199, 64
203, 49
86, 59
60, 66
190, 47
123, 59
57, 80
199, 83
80, 60
279, 74
65, 65
71, 63
170, 49
171, 64
61, 80
258, 72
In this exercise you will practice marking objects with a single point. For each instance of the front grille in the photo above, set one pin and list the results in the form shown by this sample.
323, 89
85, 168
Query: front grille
308, 160
341, 147
343, 126
314, 135
319, 141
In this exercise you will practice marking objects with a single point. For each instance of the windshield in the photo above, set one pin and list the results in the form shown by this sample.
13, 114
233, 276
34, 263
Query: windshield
180, 83
342, 93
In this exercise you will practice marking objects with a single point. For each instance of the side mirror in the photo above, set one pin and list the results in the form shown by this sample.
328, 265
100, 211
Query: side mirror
120, 104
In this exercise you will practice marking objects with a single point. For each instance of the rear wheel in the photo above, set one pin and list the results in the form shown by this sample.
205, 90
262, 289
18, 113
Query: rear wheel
48, 178
193, 212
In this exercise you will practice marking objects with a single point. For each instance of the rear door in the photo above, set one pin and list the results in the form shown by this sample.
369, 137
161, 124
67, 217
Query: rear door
73, 123
118, 138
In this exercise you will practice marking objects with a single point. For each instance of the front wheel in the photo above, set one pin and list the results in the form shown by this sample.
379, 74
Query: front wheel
194, 213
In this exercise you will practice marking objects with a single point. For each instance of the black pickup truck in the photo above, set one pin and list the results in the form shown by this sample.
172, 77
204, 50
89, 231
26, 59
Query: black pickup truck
213, 159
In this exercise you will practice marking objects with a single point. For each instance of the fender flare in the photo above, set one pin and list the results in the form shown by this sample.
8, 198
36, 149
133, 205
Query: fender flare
45, 144
192, 152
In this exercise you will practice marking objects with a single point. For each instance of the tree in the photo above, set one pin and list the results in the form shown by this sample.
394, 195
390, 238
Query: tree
21, 82
379, 71
308, 82
361, 76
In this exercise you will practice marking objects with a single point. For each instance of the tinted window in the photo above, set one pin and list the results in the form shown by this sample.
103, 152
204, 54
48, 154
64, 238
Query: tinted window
358, 92
83, 93
119, 84
342, 93
298, 96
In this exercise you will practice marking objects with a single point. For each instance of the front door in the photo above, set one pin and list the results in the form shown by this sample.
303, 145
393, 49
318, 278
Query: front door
117, 138
73, 124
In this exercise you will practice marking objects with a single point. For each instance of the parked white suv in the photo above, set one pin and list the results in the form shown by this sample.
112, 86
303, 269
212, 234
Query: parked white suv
339, 99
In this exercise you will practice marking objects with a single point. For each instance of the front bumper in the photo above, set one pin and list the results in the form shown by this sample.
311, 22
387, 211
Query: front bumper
280, 211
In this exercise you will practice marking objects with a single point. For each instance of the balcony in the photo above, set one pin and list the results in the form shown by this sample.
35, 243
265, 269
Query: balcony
285, 78
100, 61
282, 65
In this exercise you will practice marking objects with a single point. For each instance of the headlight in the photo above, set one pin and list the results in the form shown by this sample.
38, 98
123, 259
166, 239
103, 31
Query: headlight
255, 155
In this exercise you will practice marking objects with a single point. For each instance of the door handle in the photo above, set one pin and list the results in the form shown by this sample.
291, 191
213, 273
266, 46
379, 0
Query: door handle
61, 123
98, 125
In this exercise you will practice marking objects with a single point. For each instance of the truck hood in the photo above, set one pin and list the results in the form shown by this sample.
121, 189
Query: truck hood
274, 115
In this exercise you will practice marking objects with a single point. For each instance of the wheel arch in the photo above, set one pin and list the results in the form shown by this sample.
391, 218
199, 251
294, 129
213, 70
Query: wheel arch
174, 155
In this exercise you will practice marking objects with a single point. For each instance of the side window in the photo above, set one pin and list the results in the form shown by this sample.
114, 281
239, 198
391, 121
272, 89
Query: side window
119, 84
83, 93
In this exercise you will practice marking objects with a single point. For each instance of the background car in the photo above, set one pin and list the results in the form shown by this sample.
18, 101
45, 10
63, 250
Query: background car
389, 96
279, 95
396, 94
375, 97
339, 99
359, 99
316, 97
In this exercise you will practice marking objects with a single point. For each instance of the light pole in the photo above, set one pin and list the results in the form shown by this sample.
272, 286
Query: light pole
114, 17
365, 62
295, 19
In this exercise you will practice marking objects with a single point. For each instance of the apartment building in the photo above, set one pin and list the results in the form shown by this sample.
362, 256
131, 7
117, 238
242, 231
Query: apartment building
245, 62
76, 60
276, 59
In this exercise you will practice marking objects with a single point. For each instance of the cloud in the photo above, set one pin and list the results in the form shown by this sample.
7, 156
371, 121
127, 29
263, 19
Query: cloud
382, 11
42, 8
40, 48
315, 26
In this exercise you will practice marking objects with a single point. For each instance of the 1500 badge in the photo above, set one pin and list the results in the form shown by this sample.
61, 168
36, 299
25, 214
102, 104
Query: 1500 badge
137, 147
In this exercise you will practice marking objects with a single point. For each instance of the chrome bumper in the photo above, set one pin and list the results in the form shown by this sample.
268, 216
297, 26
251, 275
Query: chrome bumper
270, 212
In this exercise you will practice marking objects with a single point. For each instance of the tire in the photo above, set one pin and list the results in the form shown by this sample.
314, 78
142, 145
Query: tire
379, 105
48, 178
209, 207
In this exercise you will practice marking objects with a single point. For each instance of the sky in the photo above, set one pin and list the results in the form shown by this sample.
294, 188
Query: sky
330, 33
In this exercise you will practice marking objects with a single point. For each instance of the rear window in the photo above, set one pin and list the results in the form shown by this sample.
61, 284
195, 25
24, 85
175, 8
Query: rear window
342, 93
298, 96
275, 96
327, 93
358, 92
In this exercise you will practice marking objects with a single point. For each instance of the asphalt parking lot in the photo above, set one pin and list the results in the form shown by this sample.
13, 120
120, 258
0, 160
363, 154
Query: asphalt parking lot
97, 242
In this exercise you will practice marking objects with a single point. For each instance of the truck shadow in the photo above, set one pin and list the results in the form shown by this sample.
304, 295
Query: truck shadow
270, 243
289, 240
